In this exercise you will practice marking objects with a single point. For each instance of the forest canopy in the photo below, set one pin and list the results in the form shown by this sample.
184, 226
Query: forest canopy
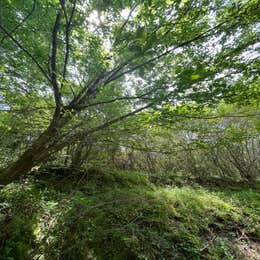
124, 75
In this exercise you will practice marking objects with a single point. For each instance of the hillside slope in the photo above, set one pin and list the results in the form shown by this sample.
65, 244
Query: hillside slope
123, 215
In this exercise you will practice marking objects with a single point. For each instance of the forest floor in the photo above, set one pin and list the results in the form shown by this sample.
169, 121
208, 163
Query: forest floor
64, 214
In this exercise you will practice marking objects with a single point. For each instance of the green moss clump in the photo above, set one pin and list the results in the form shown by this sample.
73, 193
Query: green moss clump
116, 215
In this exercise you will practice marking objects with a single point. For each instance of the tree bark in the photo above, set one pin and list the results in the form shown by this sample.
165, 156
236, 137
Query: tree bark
35, 154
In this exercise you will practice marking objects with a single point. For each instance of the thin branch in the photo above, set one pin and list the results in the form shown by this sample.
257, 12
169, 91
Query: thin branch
100, 127
142, 97
61, 141
90, 90
26, 109
150, 149
198, 37
105, 78
214, 117
124, 24
129, 98
115, 120
21, 23
26, 52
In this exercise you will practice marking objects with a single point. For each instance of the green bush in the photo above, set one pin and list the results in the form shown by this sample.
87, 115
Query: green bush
19, 205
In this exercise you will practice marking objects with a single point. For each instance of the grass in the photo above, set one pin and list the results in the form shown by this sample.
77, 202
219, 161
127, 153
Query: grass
123, 215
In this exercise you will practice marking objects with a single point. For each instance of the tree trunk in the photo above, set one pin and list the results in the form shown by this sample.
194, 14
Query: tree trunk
35, 154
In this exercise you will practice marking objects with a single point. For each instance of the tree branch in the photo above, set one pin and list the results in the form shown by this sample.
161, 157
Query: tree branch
207, 117
20, 24
142, 96
197, 37
26, 52
53, 65
67, 35
124, 24
81, 134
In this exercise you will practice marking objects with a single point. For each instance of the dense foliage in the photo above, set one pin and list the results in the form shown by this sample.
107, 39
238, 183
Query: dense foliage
70, 69
129, 129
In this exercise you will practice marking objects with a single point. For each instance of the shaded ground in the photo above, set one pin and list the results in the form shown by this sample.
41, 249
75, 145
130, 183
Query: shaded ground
127, 215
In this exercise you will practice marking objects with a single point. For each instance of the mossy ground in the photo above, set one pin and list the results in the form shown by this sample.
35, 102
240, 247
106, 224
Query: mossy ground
123, 215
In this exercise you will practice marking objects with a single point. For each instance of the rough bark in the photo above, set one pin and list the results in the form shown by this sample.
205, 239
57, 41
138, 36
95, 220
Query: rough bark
35, 154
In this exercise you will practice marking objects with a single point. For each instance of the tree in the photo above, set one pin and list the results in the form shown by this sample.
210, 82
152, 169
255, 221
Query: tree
95, 63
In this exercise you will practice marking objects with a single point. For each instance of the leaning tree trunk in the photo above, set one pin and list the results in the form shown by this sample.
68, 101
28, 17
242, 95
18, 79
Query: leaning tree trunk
35, 154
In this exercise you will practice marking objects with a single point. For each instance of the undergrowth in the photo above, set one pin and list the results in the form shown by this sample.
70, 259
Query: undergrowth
121, 215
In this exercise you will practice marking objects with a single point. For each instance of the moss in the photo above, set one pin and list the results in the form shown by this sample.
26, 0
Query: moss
248, 202
118, 215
